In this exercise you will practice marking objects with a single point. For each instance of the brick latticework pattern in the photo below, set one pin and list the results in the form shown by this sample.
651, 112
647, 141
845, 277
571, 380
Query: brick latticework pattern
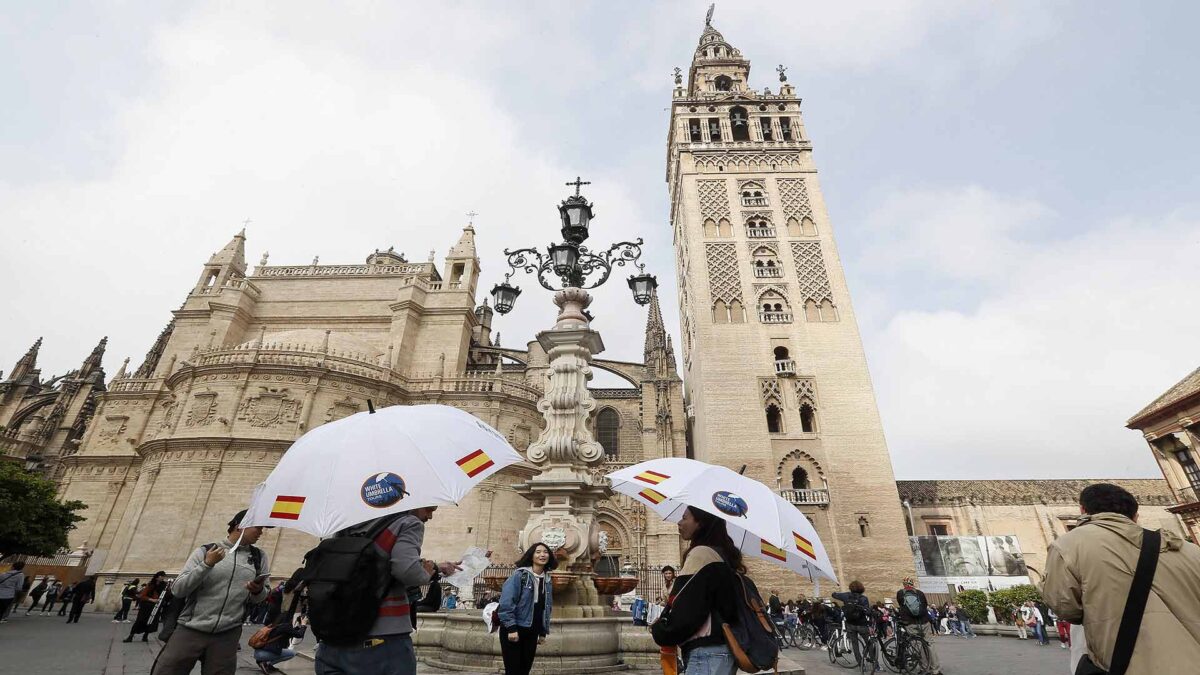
811, 278
714, 199
806, 391
794, 196
723, 279
770, 392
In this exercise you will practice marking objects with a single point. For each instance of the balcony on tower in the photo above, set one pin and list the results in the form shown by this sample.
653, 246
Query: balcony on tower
806, 497
767, 272
774, 316
785, 367
760, 231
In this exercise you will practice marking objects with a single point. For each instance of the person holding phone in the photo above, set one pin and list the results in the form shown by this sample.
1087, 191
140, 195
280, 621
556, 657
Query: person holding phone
215, 583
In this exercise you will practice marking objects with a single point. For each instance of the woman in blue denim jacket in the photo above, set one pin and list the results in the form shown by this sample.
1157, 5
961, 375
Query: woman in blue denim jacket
524, 611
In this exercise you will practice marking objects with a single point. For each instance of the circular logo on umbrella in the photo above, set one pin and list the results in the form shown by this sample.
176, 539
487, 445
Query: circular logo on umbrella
729, 503
383, 489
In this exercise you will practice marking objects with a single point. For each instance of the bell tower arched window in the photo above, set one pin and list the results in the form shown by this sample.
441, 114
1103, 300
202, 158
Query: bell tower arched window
739, 123
774, 419
799, 479
723, 82
808, 418
608, 425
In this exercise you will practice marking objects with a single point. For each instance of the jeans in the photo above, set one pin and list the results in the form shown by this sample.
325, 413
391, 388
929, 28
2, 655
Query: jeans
215, 652
519, 655
393, 656
965, 627
123, 613
709, 660
271, 658
1039, 630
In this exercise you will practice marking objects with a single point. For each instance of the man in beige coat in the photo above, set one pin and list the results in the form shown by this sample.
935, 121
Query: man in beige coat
1090, 569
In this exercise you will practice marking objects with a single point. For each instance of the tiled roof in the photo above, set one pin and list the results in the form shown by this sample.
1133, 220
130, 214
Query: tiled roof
1146, 490
1186, 387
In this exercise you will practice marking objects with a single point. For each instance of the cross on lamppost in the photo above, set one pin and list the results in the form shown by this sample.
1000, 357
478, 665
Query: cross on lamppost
578, 184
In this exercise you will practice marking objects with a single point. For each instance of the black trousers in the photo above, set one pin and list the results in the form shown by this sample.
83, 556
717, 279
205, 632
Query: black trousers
123, 613
62, 611
76, 611
518, 656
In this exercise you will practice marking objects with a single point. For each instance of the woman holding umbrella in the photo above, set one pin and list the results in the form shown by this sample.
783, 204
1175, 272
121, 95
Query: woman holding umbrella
524, 612
146, 600
702, 594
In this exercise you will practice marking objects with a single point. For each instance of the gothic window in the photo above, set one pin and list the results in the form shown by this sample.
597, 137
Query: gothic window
773, 308
785, 128
724, 229
758, 227
766, 265
723, 82
828, 311
710, 228
737, 314
739, 122
608, 424
714, 131
720, 312
774, 419
781, 353
793, 227
694, 131
808, 419
812, 311
799, 479
765, 125
753, 194
807, 227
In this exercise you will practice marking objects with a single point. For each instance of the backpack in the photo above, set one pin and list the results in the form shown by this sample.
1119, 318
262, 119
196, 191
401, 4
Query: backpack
854, 612
910, 603
751, 633
173, 605
347, 577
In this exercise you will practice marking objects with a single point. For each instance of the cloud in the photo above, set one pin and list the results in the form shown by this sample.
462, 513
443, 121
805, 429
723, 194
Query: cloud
328, 152
1068, 339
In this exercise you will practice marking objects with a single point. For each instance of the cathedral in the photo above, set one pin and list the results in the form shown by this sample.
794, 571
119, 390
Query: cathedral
775, 372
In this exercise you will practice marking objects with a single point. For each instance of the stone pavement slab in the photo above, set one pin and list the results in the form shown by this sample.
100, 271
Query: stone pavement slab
49, 646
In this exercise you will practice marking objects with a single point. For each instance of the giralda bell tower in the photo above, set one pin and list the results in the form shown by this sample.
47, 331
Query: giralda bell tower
775, 373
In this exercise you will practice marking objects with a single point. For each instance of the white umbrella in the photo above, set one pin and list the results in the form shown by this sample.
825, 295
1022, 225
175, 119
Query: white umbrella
760, 522
375, 463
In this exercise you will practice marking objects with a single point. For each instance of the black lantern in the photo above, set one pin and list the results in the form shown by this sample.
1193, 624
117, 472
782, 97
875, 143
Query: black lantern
643, 286
576, 214
504, 296
563, 258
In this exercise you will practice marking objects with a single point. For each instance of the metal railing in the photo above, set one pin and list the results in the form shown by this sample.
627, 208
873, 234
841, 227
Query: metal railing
1187, 495
806, 497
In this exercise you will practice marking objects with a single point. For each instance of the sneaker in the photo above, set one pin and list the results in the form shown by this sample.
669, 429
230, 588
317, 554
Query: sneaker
116, 621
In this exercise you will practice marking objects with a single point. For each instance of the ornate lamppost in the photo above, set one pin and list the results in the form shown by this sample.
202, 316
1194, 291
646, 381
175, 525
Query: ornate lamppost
564, 494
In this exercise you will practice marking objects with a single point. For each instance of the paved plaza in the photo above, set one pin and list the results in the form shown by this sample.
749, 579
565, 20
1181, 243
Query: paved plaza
48, 646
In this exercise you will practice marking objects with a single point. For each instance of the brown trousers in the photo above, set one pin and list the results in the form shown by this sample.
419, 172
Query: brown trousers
216, 652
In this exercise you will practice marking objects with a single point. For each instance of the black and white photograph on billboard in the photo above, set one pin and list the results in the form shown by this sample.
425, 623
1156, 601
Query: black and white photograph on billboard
931, 556
1005, 558
963, 556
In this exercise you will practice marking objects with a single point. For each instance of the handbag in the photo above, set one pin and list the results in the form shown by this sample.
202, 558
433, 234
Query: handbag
262, 636
1135, 607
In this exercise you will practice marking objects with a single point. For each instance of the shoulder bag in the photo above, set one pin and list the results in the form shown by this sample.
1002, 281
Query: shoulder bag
1135, 607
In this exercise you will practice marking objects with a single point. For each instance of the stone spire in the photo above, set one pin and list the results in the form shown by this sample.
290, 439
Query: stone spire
27, 364
121, 373
92, 363
658, 343
146, 370
465, 248
233, 255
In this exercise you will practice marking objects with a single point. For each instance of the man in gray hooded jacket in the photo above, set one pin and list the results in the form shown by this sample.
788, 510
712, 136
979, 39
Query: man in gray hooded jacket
216, 582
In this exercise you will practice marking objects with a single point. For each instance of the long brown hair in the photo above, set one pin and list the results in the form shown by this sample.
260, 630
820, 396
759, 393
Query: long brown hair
712, 533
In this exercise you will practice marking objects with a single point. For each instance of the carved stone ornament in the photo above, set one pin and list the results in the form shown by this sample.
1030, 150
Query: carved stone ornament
343, 408
114, 426
269, 408
203, 410
554, 537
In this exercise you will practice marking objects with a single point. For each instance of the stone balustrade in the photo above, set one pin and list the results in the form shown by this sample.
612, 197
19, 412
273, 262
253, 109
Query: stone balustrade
775, 317
806, 497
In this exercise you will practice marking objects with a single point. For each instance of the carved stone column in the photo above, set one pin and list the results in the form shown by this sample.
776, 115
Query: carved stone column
564, 494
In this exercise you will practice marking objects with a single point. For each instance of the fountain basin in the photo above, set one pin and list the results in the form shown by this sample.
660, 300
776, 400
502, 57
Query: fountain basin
614, 585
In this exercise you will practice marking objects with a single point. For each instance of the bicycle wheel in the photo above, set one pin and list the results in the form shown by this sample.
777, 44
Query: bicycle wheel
832, 645
869, 655
917, 659
888, 655
845, 653
806, 639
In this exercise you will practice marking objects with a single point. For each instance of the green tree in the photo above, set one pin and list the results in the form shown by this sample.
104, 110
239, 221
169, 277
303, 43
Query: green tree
974, 603
1008, 599
34, 521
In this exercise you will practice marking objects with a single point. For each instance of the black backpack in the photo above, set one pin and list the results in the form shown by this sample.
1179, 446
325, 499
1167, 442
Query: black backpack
171, 605
854, 612
911, 606
347, 577
750, 633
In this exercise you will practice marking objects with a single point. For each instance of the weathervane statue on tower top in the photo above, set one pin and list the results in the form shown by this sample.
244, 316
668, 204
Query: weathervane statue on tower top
471, 215
708, 17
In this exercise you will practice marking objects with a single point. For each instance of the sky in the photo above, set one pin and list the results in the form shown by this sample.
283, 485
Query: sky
1012, 186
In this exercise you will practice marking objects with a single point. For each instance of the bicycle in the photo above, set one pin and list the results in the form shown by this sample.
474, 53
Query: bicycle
806, 637
841, 649
906, 653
